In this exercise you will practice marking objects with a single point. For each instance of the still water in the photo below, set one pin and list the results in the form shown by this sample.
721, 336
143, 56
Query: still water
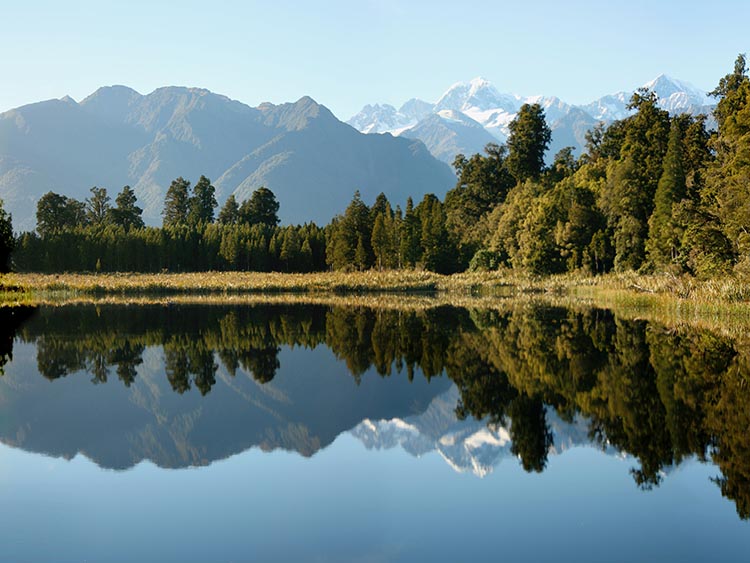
317, 433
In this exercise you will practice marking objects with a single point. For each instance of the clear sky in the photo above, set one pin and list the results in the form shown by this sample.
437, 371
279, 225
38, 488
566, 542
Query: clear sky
346, 53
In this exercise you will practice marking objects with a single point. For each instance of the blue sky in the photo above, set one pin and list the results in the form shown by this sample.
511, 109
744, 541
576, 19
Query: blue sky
349, 53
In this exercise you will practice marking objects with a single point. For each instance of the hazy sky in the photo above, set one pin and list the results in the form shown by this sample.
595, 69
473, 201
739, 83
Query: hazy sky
346, 53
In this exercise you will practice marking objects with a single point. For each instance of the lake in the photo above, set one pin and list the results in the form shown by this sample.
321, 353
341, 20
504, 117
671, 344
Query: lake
275, 432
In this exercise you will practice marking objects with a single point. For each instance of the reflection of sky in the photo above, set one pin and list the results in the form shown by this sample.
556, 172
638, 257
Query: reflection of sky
348, 503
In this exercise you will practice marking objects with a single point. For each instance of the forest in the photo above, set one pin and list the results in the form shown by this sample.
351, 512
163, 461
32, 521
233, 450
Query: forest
651, 193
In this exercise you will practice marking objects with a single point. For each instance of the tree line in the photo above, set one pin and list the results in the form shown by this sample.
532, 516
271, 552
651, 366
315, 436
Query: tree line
651, 192
93, 235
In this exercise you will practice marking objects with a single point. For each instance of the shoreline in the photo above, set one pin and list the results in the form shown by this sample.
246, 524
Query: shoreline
719, 304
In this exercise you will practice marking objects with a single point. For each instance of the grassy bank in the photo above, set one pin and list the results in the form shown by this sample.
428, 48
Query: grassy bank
629, 287
720, 305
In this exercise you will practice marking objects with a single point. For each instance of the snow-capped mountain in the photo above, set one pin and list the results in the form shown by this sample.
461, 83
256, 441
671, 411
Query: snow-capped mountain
675, 96
466, 445
478, 95
380, 118
480, 102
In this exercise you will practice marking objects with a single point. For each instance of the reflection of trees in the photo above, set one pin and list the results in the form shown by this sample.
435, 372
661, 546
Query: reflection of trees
10, 321
660, 395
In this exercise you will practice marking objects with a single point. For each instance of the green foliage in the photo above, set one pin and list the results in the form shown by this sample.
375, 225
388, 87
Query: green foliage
97, 206
664, 233
56, 213
126, 213
7, 240
202, 203
177, 203
483, 183
262, 208
528, 141
484, 261
230, 213
728, 177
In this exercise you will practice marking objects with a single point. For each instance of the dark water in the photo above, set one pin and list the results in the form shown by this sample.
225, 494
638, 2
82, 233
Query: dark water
311, 433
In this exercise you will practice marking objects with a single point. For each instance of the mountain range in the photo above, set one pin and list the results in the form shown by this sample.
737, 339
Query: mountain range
312, 161
470, 115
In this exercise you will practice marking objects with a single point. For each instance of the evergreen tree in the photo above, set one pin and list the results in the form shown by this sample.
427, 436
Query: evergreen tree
627, 197
350, 237
728, 179
483, 183
98, 207
662, 245
177, 203
7, 240
528, 141
230, 213
380, 242
409, 249
202, 203
56, 213
126, 213
262, 208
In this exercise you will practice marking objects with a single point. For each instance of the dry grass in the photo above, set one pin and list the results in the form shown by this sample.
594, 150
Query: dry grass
721, 304
256, 282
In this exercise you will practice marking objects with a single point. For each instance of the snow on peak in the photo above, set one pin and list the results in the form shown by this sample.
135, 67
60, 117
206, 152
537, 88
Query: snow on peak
477, 93
677, 94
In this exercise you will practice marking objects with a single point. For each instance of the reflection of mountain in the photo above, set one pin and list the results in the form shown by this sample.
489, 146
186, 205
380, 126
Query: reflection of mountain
466, 445
311, 400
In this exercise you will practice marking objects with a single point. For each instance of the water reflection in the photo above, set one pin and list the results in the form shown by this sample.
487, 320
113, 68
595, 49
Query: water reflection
200, 383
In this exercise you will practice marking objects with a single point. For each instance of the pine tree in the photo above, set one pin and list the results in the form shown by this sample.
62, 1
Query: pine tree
98, 207
202, 203
230, 213
7, 240
126, 213
262, 208
380, 241
409, 248
177, 203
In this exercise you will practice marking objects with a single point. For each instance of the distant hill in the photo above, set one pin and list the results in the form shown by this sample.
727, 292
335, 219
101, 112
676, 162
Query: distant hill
312, 161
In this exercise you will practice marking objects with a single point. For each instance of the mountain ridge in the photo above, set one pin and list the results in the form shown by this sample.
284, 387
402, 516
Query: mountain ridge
312, 161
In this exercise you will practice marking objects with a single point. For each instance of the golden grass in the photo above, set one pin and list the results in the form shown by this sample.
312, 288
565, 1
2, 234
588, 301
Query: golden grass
256, 282
720, 304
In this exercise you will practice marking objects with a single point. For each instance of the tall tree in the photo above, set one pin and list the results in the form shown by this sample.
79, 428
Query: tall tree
98, 207
409, 249
664, 235
55, 213
177, 203
262, 208
202, 203
230, 212
729, 175
528, 141
627, 198
126, 213
7, 240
